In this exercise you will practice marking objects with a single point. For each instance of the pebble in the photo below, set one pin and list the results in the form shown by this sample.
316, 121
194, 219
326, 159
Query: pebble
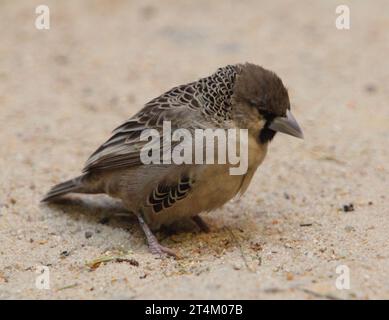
370, 88
237, 266
88, 234
64, 254
289, 276
348, 207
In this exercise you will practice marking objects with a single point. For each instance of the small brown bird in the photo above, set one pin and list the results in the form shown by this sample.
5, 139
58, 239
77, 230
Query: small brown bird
242, 96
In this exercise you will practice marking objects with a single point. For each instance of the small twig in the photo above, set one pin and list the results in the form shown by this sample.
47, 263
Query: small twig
306, 224
240, 249
68, 287
94, 264
319, 295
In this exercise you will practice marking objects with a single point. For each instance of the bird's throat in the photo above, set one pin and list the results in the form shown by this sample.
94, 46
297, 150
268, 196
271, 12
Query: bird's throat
266, 135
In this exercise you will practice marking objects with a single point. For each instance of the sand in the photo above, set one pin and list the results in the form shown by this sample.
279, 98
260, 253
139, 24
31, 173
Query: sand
63, 90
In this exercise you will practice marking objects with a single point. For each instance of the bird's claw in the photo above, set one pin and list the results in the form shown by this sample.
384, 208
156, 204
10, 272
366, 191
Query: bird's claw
162, 251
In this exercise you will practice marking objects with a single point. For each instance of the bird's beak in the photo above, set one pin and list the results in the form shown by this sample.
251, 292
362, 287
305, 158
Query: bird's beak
287, 125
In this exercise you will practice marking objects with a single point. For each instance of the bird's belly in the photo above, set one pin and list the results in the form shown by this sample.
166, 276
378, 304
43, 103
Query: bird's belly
214, 185
213, 188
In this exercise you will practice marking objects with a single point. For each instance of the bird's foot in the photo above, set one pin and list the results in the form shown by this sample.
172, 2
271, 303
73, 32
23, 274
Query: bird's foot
154, 246
201, 224
158, 249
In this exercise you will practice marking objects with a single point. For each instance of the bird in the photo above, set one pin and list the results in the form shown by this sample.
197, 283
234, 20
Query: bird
240, 96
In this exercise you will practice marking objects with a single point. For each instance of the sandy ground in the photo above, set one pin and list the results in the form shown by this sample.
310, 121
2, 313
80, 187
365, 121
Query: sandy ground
62, 91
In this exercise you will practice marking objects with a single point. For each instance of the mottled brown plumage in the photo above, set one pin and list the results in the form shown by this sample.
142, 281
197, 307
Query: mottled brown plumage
243, 96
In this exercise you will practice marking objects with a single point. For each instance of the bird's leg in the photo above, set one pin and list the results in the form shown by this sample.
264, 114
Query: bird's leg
201, 223
152, 241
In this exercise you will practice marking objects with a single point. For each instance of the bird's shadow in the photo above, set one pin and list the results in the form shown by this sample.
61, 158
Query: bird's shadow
102, 209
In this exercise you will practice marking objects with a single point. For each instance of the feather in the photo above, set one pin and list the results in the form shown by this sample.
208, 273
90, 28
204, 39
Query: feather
207, 100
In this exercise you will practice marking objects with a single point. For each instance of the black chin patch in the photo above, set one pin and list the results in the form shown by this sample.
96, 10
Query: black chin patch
266, 135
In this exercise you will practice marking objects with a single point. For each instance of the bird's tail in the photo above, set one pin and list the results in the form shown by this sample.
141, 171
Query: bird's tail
74, 185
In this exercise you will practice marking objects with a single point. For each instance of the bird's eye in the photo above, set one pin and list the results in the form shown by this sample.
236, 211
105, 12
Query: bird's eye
267, 115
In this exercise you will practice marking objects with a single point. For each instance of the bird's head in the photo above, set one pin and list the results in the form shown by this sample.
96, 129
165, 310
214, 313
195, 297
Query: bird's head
263, 103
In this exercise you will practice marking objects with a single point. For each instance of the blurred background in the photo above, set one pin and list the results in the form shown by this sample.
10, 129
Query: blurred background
63, 90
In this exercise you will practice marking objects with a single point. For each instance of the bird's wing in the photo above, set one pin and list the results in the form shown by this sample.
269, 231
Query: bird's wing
123, 148
166, 195
201, 104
